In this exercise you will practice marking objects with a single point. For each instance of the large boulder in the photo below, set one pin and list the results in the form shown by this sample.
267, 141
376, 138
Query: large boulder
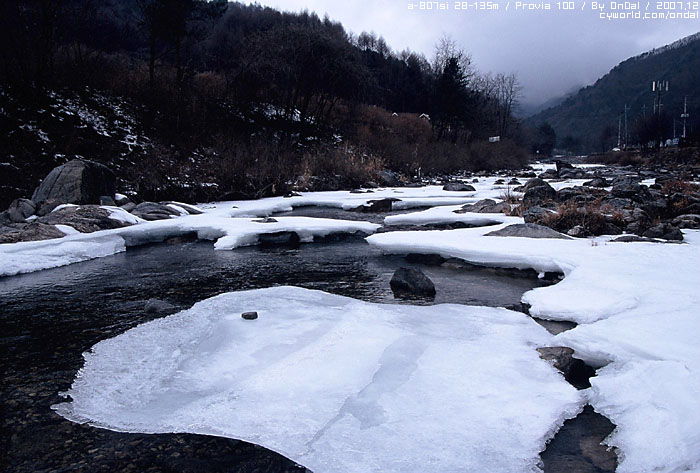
412, 281
76, 182
85, 219
528, 230
687, 221
20, 209
33, 231
536, 214
631, 190
534, 182
536, 196
664, 231
388, 179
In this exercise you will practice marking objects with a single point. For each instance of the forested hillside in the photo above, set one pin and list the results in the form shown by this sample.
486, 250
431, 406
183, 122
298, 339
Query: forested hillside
590, 120
200, 100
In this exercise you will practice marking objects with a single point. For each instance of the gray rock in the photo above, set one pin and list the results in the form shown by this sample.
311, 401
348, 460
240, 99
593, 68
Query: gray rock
389, 179
561, 165
266, 220
664, 231
536, 196
85, 219
154, 211
687, 221
597, 182
379, 205
249, 315
33, 231
574, 370
122, 200
633, 239
549, 174
20, 209
561, 357
577, 232
76, 182
188, 208
107, 200
534, 182
636, 192
129, 206
528, 230
484, 206
535, 214
458, 187
158, 306
412, 281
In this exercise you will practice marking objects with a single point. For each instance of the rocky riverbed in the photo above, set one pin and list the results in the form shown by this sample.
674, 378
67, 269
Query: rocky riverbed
50, 318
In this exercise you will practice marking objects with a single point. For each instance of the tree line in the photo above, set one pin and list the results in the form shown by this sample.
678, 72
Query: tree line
209, 70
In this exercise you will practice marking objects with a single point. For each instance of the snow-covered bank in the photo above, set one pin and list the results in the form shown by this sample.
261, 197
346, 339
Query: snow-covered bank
446, 215
336, 384
227, 222
229, 233
637, 304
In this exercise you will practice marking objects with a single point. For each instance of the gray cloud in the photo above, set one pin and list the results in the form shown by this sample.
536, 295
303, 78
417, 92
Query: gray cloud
551, 51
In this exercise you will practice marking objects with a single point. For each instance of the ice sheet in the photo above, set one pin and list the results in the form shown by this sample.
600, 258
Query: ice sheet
336, 384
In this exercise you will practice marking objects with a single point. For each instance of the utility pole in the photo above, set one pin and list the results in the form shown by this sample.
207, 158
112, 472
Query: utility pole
626, 109
619, 130
659, 87
685, 115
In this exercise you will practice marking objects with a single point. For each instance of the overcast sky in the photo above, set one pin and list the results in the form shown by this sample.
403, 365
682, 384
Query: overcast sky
552, 52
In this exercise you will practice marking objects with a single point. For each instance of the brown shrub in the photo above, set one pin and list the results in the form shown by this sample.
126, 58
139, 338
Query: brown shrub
593, 217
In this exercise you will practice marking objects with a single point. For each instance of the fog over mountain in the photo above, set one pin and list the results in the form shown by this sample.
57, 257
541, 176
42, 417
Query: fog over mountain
551, 51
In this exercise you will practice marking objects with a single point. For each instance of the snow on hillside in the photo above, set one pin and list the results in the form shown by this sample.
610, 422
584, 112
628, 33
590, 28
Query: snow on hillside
675, 45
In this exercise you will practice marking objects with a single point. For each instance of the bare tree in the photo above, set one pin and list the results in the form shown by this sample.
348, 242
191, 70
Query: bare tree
508, 94
447, 49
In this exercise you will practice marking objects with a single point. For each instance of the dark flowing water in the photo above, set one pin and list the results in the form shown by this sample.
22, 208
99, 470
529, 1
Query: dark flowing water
48, 319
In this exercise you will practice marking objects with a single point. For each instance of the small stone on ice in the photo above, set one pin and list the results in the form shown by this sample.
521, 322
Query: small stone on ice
249, 315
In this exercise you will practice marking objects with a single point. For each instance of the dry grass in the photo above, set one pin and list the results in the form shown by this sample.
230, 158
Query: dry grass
593, 217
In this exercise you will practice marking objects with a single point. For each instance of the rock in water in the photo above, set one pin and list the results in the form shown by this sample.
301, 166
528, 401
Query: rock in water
76, 182
574, 370
413, 281
379, 205
528, 230
157, 306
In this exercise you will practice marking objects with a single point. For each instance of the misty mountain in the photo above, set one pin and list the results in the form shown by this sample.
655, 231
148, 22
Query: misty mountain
588, 120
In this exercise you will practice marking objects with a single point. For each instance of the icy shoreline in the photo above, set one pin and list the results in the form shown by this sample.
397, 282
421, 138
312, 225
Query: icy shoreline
636, 304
